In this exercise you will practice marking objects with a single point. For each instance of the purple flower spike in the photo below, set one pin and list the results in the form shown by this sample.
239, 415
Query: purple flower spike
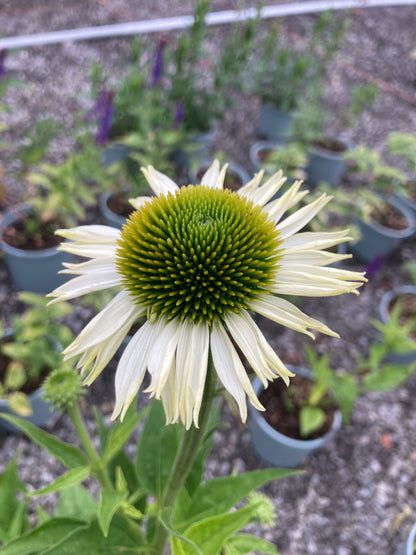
106, 113
179, 115
374, 266
3, 54
158, 64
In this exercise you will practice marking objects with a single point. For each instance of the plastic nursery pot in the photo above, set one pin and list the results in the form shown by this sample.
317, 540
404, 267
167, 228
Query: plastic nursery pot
33, 270
378, 240
326, 165
276, 448
255, 154
42, 411
111, 218
274, 125
408, 547
409, 202
384, 310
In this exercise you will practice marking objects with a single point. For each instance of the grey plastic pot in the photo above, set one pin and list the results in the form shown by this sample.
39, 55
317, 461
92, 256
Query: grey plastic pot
42, 410
278, 449
324, 165
407, 548
111, 218
409, 203
274, 125
378, 240
384, 311
33, 270
255, 149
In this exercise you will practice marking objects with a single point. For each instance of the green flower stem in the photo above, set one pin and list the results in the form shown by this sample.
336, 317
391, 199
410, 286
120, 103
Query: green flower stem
185, 458
81, 429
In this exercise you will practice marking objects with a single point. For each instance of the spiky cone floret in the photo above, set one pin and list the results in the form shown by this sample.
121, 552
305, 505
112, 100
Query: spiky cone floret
196, 261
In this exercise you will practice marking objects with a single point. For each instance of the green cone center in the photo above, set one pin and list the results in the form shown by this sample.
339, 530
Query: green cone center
198, 253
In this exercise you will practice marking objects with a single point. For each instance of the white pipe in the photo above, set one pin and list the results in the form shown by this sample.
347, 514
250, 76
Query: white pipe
182, 22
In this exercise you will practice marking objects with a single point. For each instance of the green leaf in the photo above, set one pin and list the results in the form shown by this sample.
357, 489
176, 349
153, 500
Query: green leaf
65, 453
120, 433
246, 543
211, 533
122, 538
176, 546
46, 536
157, 450
388, 377
310, 420
76, 502
221, 494
70, 478
13, 513
110, 501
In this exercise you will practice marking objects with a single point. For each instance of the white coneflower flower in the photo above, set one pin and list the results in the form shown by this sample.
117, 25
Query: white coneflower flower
196, 261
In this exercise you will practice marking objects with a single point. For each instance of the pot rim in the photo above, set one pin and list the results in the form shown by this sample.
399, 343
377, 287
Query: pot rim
274, 435
396, 233
313, 149
391, 295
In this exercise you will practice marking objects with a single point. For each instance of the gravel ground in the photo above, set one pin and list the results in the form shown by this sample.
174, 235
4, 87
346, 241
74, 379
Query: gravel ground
352, 494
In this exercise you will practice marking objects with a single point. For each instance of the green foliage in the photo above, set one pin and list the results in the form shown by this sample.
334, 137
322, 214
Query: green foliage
33, 349
286, 73
290, 158
13, 516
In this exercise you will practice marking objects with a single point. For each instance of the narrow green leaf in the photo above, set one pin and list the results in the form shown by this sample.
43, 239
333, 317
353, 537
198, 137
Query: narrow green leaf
65, 453
310, 420
388, 377
157, 449
70, 478
120, 433
10, 485
219, 495
44, 537
246, 543
110, 501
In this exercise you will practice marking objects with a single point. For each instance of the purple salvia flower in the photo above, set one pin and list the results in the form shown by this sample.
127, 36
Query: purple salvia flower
179, 115
374, 266
158, 64
106, 114
3, 54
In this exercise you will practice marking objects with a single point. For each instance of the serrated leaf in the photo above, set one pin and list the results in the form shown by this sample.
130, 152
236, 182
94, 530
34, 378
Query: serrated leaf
70, 478
76, 502
65, 453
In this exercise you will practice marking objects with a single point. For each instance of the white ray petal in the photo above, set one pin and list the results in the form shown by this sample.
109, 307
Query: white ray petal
312, 257
91, 234
231, 371
264, 193
169, 397
290, 198
162, 356
89, 250
160, 183
284, 312
301, 217
138, 202
334, 280
251, 185
118, 312
256, 348
84, 284
214, 176
314, 240
88, 267
132, 366
191, 368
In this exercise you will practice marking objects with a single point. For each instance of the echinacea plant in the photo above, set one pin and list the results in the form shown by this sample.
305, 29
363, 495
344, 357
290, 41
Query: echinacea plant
196, 262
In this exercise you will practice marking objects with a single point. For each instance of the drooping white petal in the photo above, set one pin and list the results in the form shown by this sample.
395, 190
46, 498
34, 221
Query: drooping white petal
89, 250
284, 312
169, 396
84, 284
264, 193
301, 217
231, 371
261, 357
91, 234
88, 267
312, 258
160, 183
138, 202
132, 366
114, 317
191, 368
162, 356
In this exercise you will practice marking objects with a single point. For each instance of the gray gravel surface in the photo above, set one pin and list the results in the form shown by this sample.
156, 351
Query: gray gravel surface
352, 494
